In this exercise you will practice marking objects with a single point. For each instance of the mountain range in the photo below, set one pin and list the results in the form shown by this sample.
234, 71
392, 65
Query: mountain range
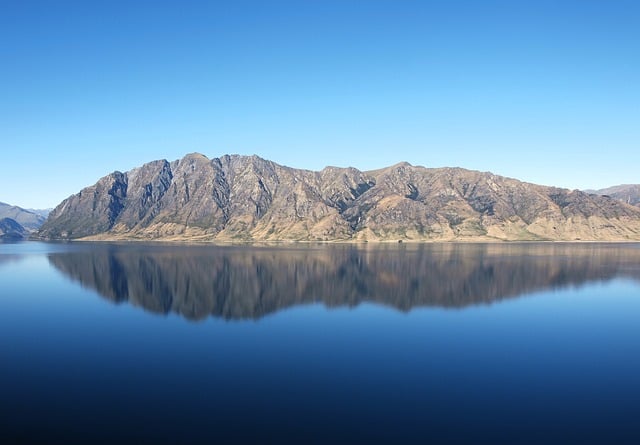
628, 193
18, 223
247, 198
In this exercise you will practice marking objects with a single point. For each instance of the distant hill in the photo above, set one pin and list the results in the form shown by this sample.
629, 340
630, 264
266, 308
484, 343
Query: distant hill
628, 193
247, 198
28, 220
42, 212
11, 230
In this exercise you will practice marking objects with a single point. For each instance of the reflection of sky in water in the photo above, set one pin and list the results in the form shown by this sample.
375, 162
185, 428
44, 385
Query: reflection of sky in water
555, 366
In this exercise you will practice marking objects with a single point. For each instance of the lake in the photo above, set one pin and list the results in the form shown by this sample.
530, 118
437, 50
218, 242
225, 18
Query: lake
406, 343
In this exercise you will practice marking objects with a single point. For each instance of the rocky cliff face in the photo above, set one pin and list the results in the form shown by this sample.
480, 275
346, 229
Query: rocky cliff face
242, 198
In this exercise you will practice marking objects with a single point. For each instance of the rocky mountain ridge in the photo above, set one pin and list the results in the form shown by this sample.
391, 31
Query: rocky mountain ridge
247, 198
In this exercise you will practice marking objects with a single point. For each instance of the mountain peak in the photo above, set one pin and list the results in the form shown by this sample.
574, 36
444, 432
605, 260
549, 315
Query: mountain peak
195, 156
248, 198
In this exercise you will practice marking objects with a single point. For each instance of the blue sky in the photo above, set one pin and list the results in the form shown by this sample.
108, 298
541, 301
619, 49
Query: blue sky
543, 91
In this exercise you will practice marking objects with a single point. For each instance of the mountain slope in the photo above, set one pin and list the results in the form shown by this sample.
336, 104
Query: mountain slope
628, 193
30, 220
10, 229
247, 198
42, 212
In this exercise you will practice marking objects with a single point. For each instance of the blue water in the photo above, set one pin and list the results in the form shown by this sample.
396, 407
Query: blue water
513, 343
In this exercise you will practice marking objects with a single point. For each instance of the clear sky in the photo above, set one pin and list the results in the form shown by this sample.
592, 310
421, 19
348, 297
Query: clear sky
543, 91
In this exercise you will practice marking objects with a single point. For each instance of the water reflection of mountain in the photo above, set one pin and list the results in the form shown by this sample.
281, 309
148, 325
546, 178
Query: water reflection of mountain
235, 283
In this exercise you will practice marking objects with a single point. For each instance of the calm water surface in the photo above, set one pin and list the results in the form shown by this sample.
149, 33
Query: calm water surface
443, 343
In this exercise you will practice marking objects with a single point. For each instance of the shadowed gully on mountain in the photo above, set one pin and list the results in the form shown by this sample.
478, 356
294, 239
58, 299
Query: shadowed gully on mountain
246, 198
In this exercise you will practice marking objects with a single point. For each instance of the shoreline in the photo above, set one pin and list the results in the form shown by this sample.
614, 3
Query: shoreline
216, 242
